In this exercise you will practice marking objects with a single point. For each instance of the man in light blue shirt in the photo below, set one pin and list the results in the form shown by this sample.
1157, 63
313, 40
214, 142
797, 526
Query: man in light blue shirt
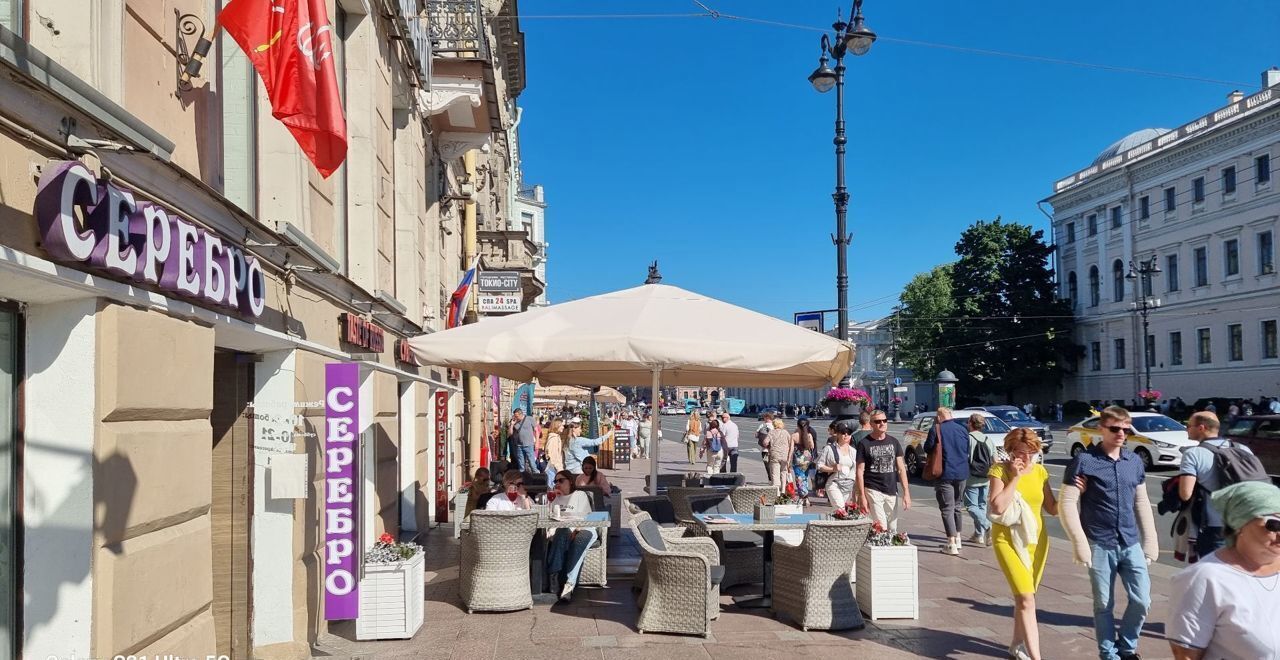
578, 447
1197, 469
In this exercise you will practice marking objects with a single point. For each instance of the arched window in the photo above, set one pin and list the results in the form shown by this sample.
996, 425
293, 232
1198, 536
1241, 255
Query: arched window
1072, 290
1093, 286
1117, 279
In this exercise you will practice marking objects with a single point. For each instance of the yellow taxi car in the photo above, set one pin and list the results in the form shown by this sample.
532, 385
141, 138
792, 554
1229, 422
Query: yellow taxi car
1157, 439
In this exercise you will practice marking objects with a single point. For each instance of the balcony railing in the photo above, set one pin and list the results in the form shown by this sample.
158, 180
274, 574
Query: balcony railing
456, 28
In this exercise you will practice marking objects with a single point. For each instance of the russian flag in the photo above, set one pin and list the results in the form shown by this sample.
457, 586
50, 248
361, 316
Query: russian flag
458, 301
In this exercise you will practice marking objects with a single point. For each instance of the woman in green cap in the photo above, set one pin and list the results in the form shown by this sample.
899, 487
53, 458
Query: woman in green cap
1226, 605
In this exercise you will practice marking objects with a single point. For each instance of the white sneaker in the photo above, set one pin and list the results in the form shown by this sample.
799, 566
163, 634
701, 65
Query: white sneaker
567, 592
952, 548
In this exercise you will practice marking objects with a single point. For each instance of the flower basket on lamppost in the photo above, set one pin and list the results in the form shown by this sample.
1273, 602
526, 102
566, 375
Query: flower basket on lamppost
842, 402
1149, 396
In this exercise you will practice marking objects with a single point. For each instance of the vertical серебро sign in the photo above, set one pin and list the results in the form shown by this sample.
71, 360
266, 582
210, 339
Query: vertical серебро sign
341, 453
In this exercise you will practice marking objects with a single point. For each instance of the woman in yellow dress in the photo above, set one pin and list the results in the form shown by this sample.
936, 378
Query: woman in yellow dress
1021, 551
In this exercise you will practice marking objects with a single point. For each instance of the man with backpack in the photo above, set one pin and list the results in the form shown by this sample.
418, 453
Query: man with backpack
982, 452
1213, 465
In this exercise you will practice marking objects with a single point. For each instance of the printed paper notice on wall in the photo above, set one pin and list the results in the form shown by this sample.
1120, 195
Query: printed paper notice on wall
341, 533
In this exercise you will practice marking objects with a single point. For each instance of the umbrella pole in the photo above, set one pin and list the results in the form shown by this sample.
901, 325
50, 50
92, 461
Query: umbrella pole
654, 443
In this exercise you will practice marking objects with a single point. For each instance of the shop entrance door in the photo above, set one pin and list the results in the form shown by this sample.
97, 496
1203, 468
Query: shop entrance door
232, 422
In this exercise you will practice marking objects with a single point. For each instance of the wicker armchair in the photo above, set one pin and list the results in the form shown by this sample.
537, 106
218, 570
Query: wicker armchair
741, 552
664, 481
657, 506
681, 591
680, 500
745, 498
726, 479
595, 566
811, 580
494, 570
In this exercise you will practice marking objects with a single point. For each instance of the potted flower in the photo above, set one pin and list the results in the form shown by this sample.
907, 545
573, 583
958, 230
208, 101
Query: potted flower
890, 586
1149, 395
391, 597
844, 401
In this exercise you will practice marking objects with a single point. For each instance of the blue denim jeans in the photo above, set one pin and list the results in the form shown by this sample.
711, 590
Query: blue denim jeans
1130, 564
568, 551
975, 502
525, 461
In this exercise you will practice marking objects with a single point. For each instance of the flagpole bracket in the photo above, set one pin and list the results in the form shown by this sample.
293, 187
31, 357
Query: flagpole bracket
192, 47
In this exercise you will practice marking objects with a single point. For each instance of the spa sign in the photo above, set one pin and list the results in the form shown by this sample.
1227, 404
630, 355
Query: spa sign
341, 451
92, 221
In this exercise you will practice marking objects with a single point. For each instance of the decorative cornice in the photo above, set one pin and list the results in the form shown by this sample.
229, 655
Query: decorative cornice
446, 92
453, 144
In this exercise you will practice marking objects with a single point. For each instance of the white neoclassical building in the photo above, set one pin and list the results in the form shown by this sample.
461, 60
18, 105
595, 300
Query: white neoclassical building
1202, 202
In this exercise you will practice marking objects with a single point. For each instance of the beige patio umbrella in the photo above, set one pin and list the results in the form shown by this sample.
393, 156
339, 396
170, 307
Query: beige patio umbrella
572, 393
648, 335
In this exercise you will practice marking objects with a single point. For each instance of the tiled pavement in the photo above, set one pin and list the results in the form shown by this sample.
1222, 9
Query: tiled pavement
965, 610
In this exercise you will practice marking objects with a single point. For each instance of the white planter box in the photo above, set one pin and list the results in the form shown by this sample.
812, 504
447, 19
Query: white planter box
890, 584
391, 600
790, 536
459, 509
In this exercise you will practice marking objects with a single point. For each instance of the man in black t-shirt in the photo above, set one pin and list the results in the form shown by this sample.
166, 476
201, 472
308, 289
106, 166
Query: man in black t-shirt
879, 472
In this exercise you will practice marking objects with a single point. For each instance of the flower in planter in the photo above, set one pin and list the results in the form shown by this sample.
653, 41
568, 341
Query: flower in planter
387, 551
846, 395
851, 511
882, 537
1149, 395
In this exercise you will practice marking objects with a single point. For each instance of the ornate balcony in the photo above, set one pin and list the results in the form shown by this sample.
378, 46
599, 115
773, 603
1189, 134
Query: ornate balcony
505, 249
456, 29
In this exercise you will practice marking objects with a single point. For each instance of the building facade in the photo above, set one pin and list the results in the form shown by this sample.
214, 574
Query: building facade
1203, 202
175, 277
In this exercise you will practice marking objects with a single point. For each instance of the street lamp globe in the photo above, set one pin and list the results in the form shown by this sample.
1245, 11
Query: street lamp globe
859, 39
823, 78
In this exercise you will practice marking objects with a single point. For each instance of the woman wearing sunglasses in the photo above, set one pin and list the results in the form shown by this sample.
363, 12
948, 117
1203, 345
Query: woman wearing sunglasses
1226, 605
569, 546
512, 497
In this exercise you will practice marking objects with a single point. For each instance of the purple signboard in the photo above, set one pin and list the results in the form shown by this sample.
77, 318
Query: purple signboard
341, 488
93, 221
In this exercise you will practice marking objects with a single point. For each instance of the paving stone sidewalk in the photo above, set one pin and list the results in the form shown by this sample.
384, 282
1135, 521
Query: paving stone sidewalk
965, 609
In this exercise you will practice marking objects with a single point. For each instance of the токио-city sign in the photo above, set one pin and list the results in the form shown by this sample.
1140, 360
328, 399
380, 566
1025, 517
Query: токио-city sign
145, 242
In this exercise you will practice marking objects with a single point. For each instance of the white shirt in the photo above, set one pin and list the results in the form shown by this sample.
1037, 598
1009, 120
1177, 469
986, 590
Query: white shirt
499, 502
730, 431
1227, 612
577, 502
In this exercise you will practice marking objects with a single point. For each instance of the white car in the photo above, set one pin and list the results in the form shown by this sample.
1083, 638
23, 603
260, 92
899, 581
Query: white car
1157, 439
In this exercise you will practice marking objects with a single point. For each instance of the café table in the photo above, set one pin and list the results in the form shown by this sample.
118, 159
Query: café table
538, 581
746, 522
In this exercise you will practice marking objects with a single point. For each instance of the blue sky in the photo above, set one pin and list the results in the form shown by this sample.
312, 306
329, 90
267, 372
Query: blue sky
699, 142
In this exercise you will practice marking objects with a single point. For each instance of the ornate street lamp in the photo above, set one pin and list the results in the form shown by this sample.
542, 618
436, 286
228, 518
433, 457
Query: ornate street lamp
1146, 269
854, 38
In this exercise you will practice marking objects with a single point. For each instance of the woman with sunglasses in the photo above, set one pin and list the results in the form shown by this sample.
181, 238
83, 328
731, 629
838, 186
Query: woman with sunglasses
569, 546
512, 497
1022, 483
1226, 604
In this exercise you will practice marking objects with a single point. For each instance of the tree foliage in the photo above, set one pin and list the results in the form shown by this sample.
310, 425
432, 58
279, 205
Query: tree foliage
1004, 328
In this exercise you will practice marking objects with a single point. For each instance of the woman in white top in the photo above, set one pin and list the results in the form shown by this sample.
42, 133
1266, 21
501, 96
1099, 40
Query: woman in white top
838, 460
569, 546
1225, 605
513, 497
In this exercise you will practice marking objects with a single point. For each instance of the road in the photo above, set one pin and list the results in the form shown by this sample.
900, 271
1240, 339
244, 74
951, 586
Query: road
921, 491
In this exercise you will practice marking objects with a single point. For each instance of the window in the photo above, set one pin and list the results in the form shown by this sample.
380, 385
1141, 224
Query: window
1202, 266
1231, 257
1266, 254
11, 17
1175, 348
1093, 224
1093, 286
1072, 290
1071, 232
1144, 207
1150, 354
1228, 181
237, 87
1119, 361
1269, 340
1235, 342
1170, 199
1115, 217
1095, 356
1117, 280
1204, 352
1171, 271
1197, 190
1262, 169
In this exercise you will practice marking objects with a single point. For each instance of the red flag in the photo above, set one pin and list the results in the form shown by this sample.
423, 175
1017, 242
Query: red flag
290, 43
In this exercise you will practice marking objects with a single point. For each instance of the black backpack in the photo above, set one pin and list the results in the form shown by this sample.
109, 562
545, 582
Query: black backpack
1234, 464
980, 460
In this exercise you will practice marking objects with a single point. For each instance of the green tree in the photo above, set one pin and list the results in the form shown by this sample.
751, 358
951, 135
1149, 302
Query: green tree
923, 319
1013, 331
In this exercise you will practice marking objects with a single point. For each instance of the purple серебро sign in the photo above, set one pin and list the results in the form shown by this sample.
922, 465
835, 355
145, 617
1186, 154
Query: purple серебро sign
141, 241
341, 452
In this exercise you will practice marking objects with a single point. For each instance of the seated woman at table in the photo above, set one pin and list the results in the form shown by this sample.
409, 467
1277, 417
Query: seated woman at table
513, 497
591, 476
569, 546
479, 487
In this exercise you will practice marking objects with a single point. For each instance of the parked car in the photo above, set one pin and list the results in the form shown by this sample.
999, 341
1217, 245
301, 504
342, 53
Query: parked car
1015, 417
672, 410
1261, 433
918, 432
1157, 439
771, 409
